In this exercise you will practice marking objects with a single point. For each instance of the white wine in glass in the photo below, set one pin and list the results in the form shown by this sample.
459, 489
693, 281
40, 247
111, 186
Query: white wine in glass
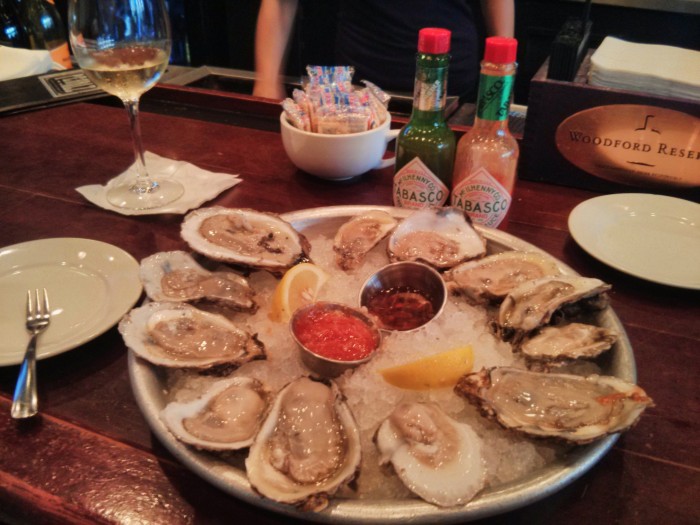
123, 46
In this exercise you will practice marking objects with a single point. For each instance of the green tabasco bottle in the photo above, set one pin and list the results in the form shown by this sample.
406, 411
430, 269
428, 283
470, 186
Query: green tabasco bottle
487, 156
425, 147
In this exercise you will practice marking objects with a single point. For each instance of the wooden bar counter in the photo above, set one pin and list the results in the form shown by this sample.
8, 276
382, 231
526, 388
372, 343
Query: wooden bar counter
89, 457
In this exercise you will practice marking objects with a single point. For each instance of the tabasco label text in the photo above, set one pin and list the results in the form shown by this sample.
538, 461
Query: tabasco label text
415, 186
484, 199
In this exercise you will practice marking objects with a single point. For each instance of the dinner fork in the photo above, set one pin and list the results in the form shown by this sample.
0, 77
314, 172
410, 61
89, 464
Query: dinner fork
25, 403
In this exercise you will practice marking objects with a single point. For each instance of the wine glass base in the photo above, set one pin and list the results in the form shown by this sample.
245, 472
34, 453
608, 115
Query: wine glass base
132, 197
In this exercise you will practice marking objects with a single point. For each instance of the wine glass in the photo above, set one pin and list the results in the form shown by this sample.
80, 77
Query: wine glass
123, 46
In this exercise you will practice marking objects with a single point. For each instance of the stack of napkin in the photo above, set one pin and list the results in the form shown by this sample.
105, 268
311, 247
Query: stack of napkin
651, 68
18, 63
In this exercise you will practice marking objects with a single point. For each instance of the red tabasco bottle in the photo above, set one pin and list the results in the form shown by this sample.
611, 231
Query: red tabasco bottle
487, 156
425, 146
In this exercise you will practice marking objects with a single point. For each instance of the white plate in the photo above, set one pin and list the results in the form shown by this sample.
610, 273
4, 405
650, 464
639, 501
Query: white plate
91, 284
653, 237
149, 385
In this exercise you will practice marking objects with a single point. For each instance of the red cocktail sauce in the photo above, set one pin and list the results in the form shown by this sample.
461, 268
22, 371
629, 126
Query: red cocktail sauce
334, 334
401, 308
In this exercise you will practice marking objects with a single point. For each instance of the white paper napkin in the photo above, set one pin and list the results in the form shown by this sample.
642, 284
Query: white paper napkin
652, 68
200, 185
18, 63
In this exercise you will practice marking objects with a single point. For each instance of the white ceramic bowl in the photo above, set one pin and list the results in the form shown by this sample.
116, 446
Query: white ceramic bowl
338, 157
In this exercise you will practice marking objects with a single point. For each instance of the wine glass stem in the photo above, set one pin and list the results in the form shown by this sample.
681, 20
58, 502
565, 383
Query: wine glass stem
143, 183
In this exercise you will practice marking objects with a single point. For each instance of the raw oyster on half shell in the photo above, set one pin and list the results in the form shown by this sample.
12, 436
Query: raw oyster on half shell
573, 408
178, 335
245, 237
532, 304
562, 343
440, 237
307, 448
491, 278
225, 417
436, 457
176, 276
356, 237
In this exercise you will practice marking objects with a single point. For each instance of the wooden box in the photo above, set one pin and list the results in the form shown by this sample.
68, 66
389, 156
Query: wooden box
610, 140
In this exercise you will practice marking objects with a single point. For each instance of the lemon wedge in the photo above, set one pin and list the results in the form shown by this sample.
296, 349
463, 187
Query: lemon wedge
299, 286
436, 371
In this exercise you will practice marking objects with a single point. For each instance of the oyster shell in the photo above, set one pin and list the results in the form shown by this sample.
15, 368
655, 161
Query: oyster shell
307, 448
225, 417
532, 304
436, 457
568, 342
491, 278
440, 237
356, 237
181, 336
176, 276
245, 237
569, 407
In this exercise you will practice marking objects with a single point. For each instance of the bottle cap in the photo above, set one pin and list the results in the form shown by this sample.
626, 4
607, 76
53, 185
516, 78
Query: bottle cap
434, 40
500, 50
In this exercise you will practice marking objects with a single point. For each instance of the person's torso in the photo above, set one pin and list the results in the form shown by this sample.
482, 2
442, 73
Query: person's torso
379, 38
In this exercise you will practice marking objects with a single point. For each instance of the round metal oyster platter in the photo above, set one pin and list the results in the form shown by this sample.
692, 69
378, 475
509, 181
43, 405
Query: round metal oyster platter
148, 384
